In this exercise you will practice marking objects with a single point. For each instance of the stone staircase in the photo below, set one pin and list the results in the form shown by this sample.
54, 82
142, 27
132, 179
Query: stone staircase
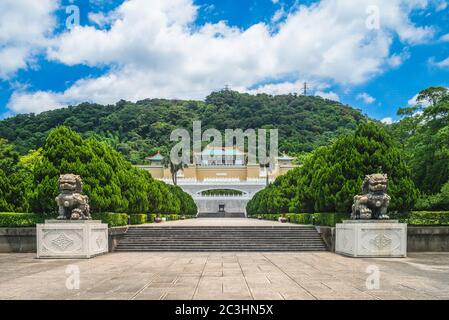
222, 238
221, 215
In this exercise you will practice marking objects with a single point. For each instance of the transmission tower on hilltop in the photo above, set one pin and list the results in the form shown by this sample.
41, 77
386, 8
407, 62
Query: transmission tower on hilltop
305, 88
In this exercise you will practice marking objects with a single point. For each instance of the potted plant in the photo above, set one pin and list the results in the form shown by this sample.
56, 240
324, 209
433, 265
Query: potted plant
283, 218
259, 217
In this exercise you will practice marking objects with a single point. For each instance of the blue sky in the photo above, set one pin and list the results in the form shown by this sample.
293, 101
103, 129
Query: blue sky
186, 49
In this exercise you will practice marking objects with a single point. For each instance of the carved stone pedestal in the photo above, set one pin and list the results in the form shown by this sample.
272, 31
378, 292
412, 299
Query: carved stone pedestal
371, 238
71, 239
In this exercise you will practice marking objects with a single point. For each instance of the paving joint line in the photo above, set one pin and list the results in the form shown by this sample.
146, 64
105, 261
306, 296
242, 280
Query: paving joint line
290, 277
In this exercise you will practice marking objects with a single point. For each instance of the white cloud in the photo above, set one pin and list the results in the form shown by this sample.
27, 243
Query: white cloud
441, 5
366, 98
36, 102
328, 95
24, 27
287, 87
387, 120
396, 60
440, 64
278, 15
414, 101
154, 49
445, 37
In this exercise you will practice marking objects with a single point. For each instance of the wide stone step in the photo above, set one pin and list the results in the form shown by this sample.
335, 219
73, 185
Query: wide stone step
220, 232
221, 215
218, 249
168, 226
248, 234
268, 241
222, 248
199, 237
221, 239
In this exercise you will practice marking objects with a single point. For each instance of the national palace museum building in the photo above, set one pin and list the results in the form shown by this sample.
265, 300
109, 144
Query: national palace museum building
223, 186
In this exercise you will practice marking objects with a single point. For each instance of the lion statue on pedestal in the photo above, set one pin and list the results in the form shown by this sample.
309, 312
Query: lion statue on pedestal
73, 205
374, 201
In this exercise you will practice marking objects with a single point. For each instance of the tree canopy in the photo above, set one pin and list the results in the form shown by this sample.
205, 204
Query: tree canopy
333, 175
110, 181
424, 134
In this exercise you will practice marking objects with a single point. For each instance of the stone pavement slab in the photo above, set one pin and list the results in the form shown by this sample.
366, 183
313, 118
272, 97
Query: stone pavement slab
225, 276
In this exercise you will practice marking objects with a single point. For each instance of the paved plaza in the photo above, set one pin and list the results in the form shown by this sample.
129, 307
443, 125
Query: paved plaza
224, 276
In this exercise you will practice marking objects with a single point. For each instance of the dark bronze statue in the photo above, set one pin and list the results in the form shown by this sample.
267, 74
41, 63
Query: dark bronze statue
373, 202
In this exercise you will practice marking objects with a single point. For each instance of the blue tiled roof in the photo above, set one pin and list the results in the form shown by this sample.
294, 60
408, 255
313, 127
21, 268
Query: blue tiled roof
157, 156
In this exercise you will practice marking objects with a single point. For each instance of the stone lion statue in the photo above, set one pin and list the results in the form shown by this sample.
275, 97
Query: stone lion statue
73, 205
373, 202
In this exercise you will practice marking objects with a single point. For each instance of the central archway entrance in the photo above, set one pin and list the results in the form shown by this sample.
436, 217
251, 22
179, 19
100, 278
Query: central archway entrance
221, 202
210, 194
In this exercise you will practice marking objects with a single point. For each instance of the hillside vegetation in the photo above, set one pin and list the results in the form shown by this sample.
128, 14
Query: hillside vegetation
139, 129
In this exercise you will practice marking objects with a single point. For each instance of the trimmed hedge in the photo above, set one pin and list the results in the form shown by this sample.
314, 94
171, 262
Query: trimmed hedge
303, 218
19, 220
318, 219
427, 218
112, 219
168, 217
422, 218
330, 219
138, 219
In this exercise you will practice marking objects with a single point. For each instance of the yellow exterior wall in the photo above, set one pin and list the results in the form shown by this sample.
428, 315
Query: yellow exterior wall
253, 171
201, 173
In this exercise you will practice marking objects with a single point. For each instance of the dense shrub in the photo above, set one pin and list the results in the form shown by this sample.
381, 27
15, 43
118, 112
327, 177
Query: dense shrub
151, 217
15, 220
138, 219
112, 219
427, 218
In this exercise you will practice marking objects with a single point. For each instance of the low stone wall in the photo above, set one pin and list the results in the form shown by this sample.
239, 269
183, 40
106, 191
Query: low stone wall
115, 235
419, 238
23, 240
17, 240
428, 239
328, 235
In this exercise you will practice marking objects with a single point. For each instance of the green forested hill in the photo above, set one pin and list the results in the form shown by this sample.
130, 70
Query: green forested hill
139, 129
